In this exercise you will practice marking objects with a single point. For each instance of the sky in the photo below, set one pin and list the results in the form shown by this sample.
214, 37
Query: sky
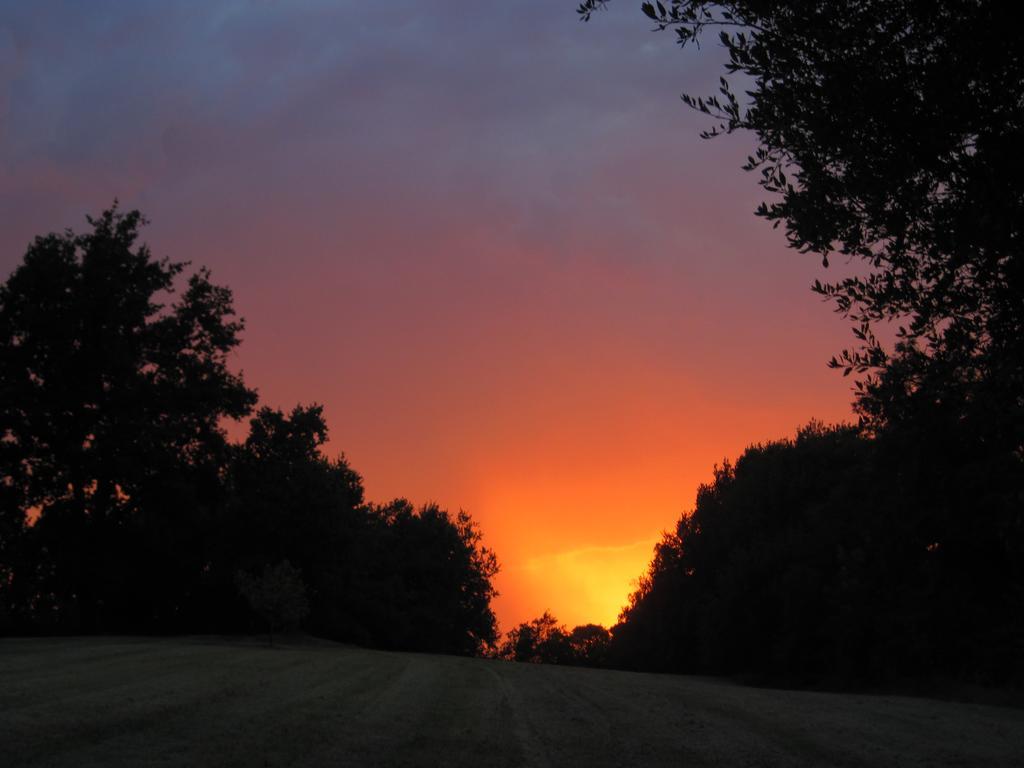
485, 236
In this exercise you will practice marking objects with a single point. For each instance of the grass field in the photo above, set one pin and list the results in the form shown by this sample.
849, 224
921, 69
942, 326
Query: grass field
181, 702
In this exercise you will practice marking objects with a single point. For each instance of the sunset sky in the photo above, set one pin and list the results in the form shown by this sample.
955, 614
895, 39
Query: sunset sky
484, 235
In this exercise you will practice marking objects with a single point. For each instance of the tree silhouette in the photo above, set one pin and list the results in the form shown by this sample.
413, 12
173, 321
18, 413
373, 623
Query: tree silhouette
839, 558
384, 575
424, 580
544, 641
889, 134
112, 392
589, 644
540, 641
123, 507
286, 501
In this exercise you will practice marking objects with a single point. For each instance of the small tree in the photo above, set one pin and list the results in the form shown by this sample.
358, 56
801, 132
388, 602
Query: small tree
589, 643
541, 641
278, 596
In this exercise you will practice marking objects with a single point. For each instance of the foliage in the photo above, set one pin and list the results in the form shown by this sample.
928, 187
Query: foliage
889, 133
112, 392
388, 576
278, 595
589, 643
544, 641
540, 641
123, 506
838, 558
425, 581
285, 500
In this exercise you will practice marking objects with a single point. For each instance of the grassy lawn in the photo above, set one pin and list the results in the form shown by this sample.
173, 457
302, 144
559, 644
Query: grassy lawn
133, 702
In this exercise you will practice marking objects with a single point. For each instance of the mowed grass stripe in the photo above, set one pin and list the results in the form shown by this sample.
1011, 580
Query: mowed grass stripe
167, 702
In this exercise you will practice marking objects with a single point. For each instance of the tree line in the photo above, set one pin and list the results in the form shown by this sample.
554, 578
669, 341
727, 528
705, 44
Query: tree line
841, 559
544, 641
834, 558
888, 135
125, 508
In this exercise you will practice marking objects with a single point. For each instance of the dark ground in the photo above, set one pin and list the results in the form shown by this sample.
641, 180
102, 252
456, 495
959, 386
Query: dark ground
134, 702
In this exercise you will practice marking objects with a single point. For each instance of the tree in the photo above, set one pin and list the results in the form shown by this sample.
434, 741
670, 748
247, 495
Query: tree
287, 501
835, 557
389, 576
278, 596
123, 507
544, 641
589, 644
540, 641
889, 133
113, 388
425, 580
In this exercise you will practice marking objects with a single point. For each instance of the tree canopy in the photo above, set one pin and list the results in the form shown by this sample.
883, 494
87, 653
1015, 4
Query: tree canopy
124, 506
838, 558
113, 385
544, 641
431, 573
889, 135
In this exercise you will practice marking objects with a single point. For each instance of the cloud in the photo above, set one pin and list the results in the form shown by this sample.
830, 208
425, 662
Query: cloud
485, 235
584, 584
499, 113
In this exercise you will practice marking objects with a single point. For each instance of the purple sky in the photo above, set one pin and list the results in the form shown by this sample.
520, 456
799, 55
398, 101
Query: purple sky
486, 236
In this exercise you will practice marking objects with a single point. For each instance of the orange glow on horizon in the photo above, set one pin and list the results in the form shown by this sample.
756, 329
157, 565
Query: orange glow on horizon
572, 410
591, 584
518, 282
